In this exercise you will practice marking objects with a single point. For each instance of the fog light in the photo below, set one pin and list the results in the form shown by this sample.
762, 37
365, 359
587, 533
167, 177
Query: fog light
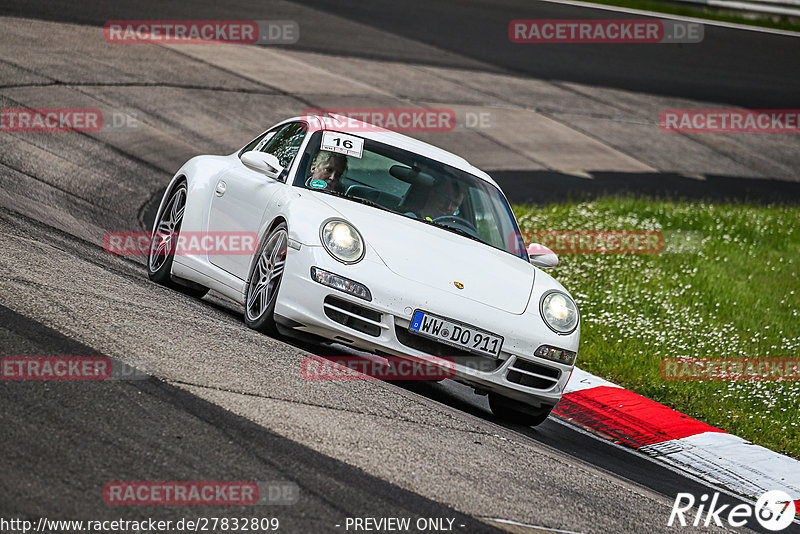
340, 283
557, 355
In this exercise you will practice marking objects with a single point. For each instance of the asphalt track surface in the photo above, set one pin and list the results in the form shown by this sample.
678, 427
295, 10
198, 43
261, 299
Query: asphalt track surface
749, 69
64, 440
149, 430
217, 389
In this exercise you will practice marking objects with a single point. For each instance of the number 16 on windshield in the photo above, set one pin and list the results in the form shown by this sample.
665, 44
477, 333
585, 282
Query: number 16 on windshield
342, 143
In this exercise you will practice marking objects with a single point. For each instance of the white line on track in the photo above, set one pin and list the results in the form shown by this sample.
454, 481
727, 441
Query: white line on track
655, 14
536, 527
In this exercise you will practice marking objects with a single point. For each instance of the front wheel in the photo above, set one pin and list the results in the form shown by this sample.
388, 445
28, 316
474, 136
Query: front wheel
517, 412
163, 244
265, 280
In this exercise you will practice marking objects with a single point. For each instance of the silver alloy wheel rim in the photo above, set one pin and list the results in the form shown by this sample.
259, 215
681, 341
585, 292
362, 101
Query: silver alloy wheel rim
266, 275
161, 243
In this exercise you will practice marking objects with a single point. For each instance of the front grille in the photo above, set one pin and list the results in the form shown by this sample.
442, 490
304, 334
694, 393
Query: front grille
442, 350
533, 367
353, 315
532, 375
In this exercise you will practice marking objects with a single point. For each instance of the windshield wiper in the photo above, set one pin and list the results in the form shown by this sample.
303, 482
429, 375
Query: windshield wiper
458, 231
354, 199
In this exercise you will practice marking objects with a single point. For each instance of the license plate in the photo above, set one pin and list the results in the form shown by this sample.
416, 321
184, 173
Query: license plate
454, 333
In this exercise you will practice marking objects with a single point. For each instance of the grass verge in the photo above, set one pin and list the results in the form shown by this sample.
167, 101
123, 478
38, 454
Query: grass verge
727, 284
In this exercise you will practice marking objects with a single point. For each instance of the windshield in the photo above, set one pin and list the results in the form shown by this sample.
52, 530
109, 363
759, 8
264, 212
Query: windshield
411, 185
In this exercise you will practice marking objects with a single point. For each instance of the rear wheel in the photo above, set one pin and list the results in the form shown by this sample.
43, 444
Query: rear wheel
164, 241
517, 412
265, 280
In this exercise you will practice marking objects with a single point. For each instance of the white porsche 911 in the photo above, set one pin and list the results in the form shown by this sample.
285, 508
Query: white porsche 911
374, 240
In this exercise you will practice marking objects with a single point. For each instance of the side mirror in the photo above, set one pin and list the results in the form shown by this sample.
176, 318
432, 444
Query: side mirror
262, 162
541, 256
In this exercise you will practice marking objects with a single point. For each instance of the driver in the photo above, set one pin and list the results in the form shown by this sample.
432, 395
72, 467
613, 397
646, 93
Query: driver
442, 200
326, 171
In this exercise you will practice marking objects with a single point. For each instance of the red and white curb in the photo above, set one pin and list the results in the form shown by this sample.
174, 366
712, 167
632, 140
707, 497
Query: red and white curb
709, 453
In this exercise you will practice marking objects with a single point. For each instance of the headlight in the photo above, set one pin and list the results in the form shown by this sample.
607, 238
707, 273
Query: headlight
559, 312
342, 241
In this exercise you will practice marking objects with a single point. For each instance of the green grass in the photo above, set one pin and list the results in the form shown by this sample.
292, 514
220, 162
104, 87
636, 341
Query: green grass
703, 12
726, 285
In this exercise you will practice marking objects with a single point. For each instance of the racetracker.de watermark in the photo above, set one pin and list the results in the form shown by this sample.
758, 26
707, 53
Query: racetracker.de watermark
186, 243
730, 120
596, 241
383, 368
730, 369
637, 31
377, 119
202, 31
51, 120
202, 493
65, 120
67, 368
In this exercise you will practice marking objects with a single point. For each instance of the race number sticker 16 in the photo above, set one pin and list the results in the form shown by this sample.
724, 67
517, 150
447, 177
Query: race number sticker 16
342, 143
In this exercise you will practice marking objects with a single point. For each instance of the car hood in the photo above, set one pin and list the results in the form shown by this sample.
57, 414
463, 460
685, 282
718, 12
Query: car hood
441, 259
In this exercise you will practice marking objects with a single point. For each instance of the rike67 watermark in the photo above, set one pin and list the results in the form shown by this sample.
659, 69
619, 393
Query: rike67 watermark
774, 510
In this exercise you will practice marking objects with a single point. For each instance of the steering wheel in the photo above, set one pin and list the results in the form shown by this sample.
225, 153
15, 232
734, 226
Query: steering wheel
458, 222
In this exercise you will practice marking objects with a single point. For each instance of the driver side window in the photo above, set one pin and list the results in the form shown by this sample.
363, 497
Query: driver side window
285, 143
259, 142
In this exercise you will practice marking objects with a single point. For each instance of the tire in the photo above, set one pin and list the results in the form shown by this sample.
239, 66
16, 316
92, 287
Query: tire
163, 242
517, 412
265, 280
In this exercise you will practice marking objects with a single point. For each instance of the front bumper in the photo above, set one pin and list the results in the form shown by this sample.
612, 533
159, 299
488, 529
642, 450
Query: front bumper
381, 325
